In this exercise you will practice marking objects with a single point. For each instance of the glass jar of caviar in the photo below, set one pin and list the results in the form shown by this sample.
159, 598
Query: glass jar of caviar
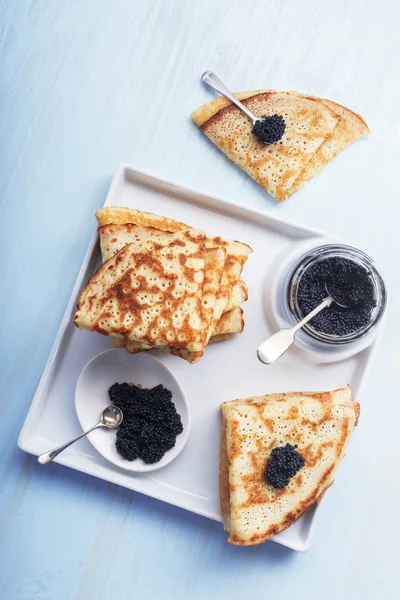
351, 277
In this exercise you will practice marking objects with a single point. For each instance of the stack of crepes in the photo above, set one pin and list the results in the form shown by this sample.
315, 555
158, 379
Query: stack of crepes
316, 131
163, 285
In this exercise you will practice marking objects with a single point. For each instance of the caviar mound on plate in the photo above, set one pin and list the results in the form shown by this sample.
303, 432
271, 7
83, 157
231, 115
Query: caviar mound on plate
284, 463
151, 422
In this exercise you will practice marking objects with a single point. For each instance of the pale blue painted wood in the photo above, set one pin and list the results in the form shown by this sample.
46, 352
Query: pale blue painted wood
85, 85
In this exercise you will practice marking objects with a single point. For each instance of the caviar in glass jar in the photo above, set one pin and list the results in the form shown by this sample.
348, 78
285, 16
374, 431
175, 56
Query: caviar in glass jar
350, 284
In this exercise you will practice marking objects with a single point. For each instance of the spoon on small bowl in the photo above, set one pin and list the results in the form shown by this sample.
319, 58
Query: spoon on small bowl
111, 417
276, 345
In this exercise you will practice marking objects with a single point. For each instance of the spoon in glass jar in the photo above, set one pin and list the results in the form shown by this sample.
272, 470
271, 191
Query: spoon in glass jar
276, 345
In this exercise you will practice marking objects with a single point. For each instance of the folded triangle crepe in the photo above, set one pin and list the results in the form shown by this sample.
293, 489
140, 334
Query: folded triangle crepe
117, 226
151, 294
114, 237
320, 424
316, 131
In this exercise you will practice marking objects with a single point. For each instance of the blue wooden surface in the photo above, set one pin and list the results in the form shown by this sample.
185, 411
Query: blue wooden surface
85, 85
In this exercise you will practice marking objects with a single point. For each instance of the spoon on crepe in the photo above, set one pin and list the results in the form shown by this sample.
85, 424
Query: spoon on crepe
267, 129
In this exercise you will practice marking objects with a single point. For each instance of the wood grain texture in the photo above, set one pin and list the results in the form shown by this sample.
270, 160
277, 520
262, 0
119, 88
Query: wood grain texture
87, 85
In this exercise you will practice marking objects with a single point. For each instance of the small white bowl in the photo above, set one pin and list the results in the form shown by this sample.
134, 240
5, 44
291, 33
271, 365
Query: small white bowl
91, 397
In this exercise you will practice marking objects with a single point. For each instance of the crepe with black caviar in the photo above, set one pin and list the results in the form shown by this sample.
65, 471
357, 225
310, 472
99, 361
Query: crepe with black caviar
316, 131
320, 424
151, 294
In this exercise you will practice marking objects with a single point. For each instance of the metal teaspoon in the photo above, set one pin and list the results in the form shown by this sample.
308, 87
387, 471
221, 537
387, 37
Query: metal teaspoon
214, 82
276, 345
111, 417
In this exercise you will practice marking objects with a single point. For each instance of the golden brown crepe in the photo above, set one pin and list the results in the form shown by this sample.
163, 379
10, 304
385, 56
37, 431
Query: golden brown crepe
316, 130
212, 301
152, 294
119, 225
320, 424
349, 128
222, 290
230, 322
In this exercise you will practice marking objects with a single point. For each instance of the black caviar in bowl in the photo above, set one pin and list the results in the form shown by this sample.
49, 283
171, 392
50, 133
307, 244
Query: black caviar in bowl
151, 422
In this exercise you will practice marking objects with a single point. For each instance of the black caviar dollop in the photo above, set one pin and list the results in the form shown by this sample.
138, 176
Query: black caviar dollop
283, 464
269, 129
150, 424
349, 283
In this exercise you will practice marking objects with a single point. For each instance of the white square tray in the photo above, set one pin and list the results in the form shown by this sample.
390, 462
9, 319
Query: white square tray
228, 369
